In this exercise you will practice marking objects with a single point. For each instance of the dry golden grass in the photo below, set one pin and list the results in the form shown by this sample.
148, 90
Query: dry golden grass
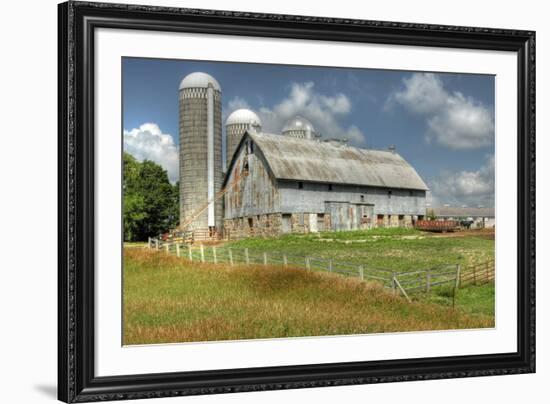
167, 299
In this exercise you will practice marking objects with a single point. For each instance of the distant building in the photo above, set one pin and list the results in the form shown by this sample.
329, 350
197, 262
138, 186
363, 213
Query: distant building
300, 185
479, 217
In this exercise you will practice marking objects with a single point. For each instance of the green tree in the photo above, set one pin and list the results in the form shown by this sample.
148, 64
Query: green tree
151, 203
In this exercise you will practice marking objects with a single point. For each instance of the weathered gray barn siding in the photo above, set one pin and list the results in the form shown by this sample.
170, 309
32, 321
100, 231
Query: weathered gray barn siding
257, 193
312, 197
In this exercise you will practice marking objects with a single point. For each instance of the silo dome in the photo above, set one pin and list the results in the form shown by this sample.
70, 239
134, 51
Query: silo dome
299, 127
199, 80
243, 116
236, 125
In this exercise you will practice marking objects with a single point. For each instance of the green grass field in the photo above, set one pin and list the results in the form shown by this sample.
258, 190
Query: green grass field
167, 299
397, 249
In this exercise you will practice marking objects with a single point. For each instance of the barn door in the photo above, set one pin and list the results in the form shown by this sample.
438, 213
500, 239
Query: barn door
287, 228
339, 215
313, 223
321, 222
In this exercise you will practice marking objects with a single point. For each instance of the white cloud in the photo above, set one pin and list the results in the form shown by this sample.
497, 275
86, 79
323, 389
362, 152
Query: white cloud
237, 103
324, 112
470, 188
453, 120
149, 143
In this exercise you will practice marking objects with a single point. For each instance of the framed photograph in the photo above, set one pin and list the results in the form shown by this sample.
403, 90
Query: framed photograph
258, 201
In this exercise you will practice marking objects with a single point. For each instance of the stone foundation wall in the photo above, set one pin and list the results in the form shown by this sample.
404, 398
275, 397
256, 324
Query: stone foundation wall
300, 223
271, 225
267, 225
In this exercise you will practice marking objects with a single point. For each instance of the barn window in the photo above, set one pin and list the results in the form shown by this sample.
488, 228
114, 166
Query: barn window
389, 194
300, 185
362, 198
330, 187
251, 147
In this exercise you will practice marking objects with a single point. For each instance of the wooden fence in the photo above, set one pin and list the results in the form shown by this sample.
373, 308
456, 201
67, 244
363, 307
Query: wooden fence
478, 274
403, 283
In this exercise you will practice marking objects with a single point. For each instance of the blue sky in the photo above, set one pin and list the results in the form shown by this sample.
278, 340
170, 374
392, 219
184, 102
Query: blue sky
443, 124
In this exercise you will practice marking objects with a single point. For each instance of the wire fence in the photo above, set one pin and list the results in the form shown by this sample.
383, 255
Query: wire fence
403, 283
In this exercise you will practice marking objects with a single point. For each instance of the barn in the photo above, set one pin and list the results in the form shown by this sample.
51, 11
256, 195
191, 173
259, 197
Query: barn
298, 181
300, 184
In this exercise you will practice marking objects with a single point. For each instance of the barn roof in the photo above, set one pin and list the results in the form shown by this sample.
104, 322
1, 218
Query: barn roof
310, 160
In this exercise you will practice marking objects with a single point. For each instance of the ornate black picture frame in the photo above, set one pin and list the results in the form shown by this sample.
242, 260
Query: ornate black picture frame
77, 24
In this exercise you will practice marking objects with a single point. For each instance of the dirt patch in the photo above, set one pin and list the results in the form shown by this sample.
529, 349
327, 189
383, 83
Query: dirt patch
488, 234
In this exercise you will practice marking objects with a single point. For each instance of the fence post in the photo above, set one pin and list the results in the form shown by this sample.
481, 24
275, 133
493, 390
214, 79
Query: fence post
149, 242
285, 262
393, 283
361, 274
190, 252
202, 253
428, 280
265, 259
230, 256
307, 264
330, 266
167, 248
157, 243
214, 254
177, 250
457, 280
402, 290
246, 257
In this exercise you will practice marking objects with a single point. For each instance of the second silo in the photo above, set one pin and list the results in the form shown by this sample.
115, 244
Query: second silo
237, 123
200, 133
